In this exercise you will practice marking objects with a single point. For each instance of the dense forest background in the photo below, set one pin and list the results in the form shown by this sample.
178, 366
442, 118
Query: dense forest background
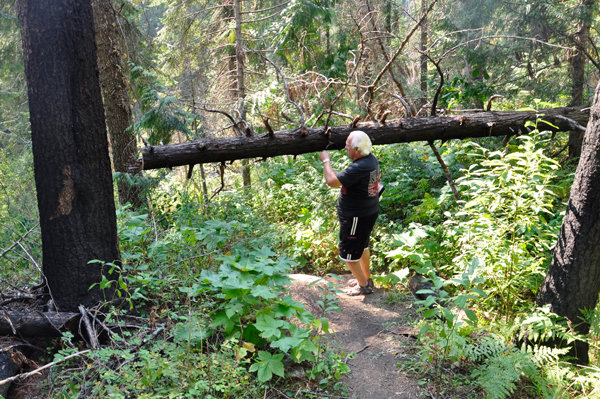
205, 251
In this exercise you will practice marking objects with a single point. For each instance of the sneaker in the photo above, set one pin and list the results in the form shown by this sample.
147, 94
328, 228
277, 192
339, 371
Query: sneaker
354, 283
360, 290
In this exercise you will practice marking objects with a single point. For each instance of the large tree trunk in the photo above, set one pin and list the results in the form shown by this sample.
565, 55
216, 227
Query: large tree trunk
116, 98
578, 64
573, 280
293, 142
70, 150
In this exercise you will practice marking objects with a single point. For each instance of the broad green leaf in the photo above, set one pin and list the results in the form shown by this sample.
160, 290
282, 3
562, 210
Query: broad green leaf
269, 326
263, 292
471, 315
461, 301
428, 314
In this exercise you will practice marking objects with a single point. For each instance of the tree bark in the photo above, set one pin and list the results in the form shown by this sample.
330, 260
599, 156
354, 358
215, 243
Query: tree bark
38, 324
116, 98
423, 48
573, 279
70, 150
241, 88
292, 142
578, 64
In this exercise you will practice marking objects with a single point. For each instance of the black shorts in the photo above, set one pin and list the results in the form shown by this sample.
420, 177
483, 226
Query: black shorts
354, 235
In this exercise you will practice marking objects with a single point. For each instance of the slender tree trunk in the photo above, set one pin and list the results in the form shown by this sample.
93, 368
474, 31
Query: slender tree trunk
573, 280
578, 63
116, 98
423, 47
70, 149
241, 89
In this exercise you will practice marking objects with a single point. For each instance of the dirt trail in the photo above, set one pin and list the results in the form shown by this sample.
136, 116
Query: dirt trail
377, 331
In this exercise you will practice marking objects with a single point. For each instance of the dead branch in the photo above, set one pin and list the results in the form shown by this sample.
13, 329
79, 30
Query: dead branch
217, 111
574, 125
37, 371
492, 98
222, 168
91, 332
406, 39
445, 169
409, 109
532, 39
265, 9
356, 63
287, 91
21, 238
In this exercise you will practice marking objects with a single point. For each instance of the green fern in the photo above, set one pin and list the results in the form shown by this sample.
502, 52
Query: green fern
486, 347
503, 366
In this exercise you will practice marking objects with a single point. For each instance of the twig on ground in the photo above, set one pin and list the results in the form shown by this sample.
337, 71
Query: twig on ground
7, 317
37, 371
323, 394
363, 348
281, 393
43, 314
88, 326
5, 349
20, 297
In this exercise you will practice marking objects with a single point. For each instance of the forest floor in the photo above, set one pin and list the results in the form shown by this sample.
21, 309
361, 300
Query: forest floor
377, 329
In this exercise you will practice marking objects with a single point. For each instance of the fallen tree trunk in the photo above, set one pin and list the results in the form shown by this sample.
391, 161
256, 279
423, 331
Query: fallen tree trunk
298, 141
38, 324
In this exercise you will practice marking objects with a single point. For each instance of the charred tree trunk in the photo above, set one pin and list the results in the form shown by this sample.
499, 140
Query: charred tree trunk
293, 142
116, 98
579, 61
573, 280
70, 150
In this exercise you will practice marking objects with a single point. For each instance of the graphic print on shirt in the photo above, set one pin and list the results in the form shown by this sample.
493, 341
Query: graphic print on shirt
373, 182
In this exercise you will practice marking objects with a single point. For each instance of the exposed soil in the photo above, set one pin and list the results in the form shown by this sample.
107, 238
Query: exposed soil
376, 329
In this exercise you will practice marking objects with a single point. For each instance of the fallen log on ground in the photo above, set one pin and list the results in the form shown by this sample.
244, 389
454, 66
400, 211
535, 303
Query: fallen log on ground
11, 361
300, 141
38, 324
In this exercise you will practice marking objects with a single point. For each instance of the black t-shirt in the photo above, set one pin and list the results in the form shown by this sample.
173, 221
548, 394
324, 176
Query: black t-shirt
360, 181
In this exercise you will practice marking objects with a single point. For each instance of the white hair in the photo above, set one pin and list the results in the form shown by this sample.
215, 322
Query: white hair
361, 141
